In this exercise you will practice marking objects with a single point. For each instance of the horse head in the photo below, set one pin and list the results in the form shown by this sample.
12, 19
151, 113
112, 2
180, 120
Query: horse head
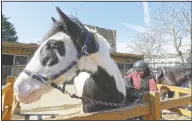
68, 47
157, 73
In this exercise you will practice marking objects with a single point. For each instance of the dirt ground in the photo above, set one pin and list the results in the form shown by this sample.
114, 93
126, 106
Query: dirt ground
168, 115
56, 106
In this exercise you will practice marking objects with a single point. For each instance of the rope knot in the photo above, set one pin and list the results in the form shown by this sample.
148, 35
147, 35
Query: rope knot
73, 96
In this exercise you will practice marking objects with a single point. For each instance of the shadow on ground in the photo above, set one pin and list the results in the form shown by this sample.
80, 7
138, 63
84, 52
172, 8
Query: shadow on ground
49, 108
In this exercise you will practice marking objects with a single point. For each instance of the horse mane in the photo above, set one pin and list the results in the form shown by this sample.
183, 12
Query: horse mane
57, 24
178, 68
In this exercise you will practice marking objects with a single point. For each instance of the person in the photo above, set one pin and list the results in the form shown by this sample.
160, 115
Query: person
140, 78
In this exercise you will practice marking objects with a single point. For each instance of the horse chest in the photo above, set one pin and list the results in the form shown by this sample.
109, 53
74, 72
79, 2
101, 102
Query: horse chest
106, 92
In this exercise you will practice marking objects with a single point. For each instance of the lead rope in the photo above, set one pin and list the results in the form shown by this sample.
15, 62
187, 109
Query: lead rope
91, 100
105, 103
100, 102
96, 101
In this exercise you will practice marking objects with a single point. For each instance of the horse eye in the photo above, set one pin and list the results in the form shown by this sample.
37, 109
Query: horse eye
53, 46
62, 28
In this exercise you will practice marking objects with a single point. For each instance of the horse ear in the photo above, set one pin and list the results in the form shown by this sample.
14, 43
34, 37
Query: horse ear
53, 19
63, 15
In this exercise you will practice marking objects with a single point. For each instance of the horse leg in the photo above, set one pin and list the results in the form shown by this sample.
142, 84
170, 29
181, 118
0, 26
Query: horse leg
163, 94
170, 94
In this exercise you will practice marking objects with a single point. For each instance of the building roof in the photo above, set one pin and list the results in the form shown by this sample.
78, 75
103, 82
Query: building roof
125, 54
17, 48
34, 46
19, 45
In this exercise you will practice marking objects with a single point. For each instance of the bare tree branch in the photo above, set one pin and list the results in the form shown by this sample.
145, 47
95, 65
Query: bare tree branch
148, 43
169, 18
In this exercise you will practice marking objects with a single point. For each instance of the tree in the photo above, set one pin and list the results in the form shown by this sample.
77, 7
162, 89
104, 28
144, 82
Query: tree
186, 14
148, 43
172, 21
8, 30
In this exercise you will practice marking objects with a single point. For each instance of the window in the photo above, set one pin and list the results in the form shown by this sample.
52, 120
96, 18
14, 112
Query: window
7, 59
121, 66
129, 66
124, 66
20, 60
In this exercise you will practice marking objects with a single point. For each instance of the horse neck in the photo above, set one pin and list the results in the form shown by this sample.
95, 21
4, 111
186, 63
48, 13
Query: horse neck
92, 62
172, 75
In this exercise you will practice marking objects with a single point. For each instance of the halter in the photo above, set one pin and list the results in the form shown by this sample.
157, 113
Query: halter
50, 79
162, 72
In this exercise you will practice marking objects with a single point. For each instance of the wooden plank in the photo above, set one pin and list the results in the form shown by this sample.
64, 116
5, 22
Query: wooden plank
175, 102
177, 94
182, 111
6, 88
116, 114
154, 99
146, 98
8, 99
15, 106
5, 111
156, 106
174, 88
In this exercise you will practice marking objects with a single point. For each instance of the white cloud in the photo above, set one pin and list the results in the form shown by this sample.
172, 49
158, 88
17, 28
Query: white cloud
167, 47
121, 47
147, 20
146, 9
137, 28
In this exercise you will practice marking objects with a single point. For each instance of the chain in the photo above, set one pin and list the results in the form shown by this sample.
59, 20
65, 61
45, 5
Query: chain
100, 102
86, 99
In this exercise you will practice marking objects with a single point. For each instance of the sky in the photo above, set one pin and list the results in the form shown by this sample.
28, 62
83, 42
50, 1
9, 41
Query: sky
33, 19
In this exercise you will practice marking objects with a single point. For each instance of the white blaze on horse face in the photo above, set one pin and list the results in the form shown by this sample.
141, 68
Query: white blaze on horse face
26, 87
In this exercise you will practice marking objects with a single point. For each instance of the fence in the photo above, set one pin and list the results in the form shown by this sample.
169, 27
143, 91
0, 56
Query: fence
149, 110
8, 70
155, 65
10, 106
170, 104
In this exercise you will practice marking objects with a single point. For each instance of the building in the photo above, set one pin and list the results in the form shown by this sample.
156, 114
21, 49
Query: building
15, 56
125, 61
109, 35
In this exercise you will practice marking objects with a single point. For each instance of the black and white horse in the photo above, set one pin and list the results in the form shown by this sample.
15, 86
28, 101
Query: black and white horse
71, 51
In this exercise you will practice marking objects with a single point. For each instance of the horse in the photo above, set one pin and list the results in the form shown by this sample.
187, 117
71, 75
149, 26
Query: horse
179, 76
173, 76
72, 51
